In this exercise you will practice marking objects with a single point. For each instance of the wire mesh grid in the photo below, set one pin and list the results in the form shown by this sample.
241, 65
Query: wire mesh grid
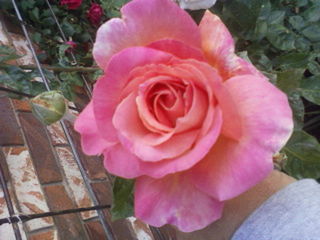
13, 219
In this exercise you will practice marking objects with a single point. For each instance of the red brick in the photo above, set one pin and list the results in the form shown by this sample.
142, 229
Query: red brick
95, 230
21, 105
165, 232
141, 229
49, 235
92, 164
9, 129
122, 229
69, 225
40, 149
103, 191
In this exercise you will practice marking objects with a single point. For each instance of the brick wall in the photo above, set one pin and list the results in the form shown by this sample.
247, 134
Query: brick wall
42, 174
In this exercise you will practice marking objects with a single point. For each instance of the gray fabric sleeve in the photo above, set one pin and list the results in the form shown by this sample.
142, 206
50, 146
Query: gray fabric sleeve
293, 213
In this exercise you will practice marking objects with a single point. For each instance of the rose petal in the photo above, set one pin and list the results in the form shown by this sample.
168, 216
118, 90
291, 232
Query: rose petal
121, 162
174, 200
127, 122
177, 145
232, 167
218, 47
195, 113
149, 119
179, 49
143, 22
207, 76
91, 141
108, 89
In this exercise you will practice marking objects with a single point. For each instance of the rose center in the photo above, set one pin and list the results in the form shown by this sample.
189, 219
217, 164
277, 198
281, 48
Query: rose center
166, 101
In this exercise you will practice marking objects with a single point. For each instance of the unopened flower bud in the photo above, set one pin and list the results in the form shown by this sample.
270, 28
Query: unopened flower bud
49, 107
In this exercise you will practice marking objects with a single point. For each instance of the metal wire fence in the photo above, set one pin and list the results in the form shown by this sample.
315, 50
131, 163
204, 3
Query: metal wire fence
13, 218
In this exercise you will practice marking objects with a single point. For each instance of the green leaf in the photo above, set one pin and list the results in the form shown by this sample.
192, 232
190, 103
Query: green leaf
36, 37
5, 5
297, 22
72, 77
310, 89
34, 14
27, 4
302, 44
314, 68
46, 31
46, 13
67, 89
242, 12
63, 59
260, 30
97, 74
298, 110
84, 37
311, 14
303, 151
6, 50
4, 78
292, 60
244, 55
312, 32
67, 28
276, 17
122, 204
289, 80
281, 37
7, 53
48, 21
301, 3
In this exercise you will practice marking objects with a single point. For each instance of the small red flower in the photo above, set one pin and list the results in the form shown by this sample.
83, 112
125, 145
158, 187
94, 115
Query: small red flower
72, 45
95, 13
71, 4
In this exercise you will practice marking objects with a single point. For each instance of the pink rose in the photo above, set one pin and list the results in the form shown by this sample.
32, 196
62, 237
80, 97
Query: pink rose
71, 4
95, 13
179, 111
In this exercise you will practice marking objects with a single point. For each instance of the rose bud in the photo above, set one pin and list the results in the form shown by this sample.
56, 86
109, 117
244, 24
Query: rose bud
50, 107
95, 13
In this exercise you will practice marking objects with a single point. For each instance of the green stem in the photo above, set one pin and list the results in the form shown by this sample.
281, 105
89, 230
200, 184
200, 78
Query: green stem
311, 113
61, 69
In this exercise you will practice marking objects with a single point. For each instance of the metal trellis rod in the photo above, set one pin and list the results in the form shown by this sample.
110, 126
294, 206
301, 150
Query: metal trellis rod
9, 203
29, 217
85, 177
